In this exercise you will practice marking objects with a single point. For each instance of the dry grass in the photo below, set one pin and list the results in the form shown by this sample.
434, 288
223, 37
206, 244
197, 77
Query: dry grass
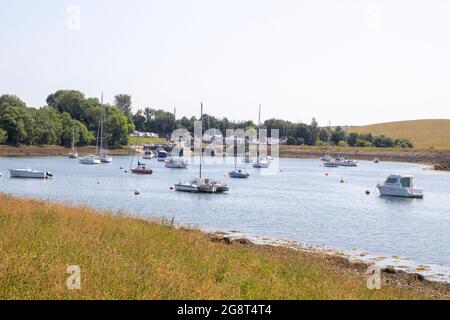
126, 258
424, 134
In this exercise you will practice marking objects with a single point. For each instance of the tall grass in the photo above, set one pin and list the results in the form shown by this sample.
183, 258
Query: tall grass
127, 258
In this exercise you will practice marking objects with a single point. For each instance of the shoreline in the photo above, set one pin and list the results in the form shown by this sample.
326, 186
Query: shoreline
392, 279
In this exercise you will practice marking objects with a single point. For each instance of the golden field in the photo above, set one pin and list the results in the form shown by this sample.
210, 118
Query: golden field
127, 258
424, 134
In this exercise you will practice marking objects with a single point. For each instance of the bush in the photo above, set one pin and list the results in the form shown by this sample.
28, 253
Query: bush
342, 143
3, 136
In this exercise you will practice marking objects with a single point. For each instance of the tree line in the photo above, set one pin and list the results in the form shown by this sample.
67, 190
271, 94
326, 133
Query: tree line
163, 123
68, 114
70, 111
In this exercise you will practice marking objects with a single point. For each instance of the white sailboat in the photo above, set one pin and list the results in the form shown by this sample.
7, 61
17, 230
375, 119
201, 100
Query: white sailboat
260, 163
237, 173
141, 168
73, 154
200, 184
103, 154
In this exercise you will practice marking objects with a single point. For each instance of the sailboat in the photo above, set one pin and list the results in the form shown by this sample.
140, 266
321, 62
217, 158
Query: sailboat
73, 154
327, 160
103, 154
260, 163
237, 173
172, 162
200, 184
141, 168
91, 159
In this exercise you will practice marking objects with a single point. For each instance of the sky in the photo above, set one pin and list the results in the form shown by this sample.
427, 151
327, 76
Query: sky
350, 62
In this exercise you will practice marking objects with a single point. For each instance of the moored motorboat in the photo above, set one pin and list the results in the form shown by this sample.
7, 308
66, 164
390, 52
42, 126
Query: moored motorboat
148, 155
330, 164
400, 186
161, 155
105, 158
239, 174
176, 163
201, 185
29, 173
90, 159
261, 163
343, 162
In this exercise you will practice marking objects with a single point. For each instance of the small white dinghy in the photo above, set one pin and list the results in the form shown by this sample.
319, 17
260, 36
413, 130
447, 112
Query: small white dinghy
29, 173
400, 186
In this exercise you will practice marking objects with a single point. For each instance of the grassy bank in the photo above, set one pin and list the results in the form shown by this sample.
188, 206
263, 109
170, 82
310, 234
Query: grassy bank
126, 258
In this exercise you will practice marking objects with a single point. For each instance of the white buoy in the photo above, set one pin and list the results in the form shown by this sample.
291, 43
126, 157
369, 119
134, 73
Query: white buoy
137, 191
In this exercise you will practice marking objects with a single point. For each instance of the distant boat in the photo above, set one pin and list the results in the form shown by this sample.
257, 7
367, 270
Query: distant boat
148, 155
141, 167
260, 163
400, 186
330, 164
103, 152
172, 163
343, 162
237, 173
161, 155
90, 159
200, 184
73, 154
376, 160
29, 173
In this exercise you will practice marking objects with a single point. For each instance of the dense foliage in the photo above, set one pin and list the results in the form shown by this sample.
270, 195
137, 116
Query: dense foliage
68, 113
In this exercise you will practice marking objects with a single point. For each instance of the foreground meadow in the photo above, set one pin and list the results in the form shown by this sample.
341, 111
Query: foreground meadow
126, 258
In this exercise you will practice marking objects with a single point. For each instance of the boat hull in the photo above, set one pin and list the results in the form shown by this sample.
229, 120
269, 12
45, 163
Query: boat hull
238, 175
387, 191
28, 174
141, 171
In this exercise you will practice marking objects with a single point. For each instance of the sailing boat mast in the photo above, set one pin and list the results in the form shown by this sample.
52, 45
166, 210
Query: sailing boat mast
201, 139
102, 111
259, 128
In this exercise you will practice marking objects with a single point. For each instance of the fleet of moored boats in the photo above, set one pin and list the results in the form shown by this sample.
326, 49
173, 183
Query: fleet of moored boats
395, 185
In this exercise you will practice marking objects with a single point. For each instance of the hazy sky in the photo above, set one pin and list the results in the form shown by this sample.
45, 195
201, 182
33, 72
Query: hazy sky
348, 62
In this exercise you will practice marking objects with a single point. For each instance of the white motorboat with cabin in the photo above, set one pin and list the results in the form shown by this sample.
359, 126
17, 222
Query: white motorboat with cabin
90, 159
344, 162
172, 163
330, 164
400, 186
161, 155
148, 155
29, 173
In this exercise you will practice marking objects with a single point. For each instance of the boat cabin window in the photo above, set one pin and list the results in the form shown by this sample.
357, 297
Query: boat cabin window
406, 182
392, 180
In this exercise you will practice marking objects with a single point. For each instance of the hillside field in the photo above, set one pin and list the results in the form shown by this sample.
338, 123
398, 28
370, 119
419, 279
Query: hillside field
424, 134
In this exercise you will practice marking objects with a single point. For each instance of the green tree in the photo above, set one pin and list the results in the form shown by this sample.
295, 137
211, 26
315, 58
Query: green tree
3, 136
70, 101
123, 102
352, 139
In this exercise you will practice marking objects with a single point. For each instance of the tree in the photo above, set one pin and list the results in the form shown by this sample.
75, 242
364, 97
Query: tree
139, 120
7, 100
70, 101
314, 129
123, 102
352, 139
13, 121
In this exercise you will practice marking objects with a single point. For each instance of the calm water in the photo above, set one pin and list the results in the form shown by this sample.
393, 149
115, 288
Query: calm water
299, 203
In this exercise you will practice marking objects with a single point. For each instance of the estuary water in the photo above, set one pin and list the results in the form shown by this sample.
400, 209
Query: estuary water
299, 202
